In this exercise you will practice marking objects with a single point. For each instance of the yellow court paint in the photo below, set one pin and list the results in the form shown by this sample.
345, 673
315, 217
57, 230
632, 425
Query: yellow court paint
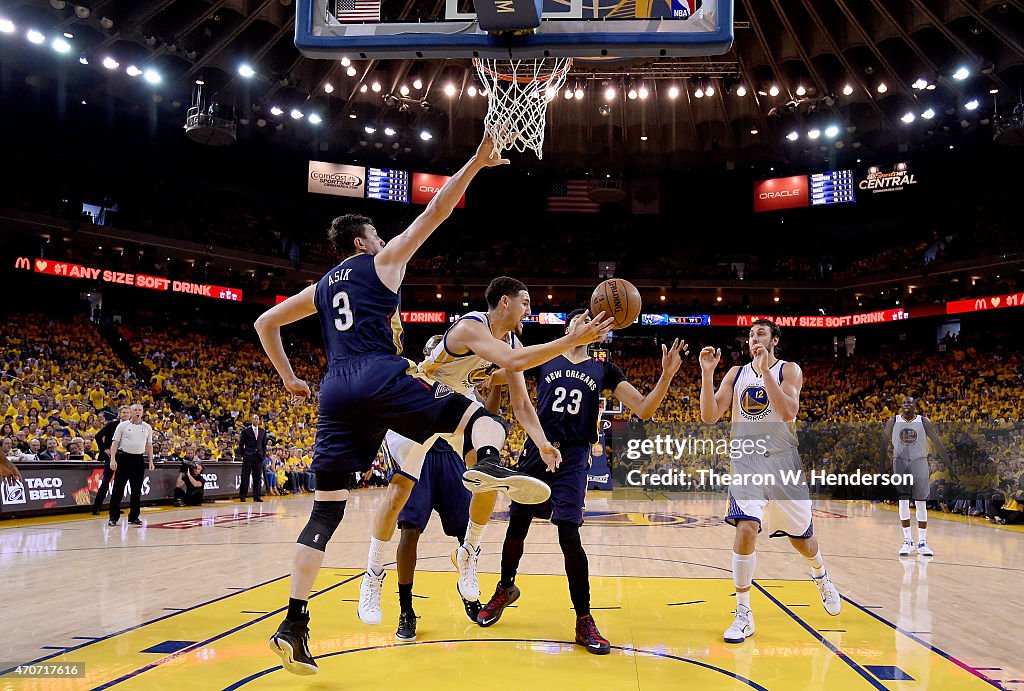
666, 633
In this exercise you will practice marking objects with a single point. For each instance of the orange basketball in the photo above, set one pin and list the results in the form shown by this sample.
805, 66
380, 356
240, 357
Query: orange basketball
617, 298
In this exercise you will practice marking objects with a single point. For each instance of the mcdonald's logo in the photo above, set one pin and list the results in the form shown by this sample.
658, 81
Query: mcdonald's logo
980, 304
742, 321
23, 263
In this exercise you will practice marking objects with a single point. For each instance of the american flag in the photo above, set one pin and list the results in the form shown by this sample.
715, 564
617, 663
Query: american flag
571, 196
357, 10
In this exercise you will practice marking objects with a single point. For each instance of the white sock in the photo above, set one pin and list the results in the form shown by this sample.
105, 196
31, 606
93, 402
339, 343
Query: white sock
474, 536
375, 560
907, 536
922, 535
816, 564
743, 599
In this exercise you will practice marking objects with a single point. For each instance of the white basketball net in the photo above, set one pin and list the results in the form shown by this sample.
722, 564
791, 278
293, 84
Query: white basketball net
518, 93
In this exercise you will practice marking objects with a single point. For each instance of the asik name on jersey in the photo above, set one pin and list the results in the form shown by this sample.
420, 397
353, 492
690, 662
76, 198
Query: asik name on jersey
572, 374
337, 276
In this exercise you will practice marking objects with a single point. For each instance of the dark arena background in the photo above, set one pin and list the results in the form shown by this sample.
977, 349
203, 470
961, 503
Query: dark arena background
849, 170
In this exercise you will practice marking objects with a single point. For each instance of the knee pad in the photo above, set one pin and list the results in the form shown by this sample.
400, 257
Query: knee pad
323, 521
922, 511
481, 412
904, 505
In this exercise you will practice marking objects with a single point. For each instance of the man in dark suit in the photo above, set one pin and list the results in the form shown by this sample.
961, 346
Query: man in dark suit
252, 443
104, 438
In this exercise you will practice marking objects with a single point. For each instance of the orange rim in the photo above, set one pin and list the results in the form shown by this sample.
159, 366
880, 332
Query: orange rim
521, 80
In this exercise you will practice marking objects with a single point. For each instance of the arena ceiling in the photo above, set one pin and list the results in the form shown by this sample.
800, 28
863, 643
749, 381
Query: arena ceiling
864, 74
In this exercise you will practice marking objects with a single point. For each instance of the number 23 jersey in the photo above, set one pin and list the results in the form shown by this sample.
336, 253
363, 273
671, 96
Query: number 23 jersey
569, 396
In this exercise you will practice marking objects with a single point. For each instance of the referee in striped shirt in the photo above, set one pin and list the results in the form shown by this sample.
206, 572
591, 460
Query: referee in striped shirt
132, 444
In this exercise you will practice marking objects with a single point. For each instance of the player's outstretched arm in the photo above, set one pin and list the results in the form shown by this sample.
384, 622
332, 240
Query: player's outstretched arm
268, 327
473, 335
713, 404
390, 262
526, 414
645, 406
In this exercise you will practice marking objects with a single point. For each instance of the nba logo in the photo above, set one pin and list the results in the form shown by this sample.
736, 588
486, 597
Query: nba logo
681, 9
754, 400
12, 494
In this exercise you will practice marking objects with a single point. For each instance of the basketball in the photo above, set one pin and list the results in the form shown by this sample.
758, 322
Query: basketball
617, 298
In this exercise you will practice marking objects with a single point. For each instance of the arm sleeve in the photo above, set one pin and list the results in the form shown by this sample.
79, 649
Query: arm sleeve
613, 376
118, 433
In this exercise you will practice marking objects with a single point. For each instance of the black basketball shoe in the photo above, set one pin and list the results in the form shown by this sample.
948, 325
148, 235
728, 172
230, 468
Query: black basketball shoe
473, 608
406, 626
291, 643
489, 475
589, 637
502, 598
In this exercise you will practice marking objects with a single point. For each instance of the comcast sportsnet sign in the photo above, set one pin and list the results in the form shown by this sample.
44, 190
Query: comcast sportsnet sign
879, 181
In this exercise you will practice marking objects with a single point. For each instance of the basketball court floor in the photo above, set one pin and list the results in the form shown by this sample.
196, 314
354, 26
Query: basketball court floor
189, 600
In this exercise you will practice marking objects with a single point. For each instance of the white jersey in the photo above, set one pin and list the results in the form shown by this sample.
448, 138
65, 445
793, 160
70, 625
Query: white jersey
752, 413
908, 438
463, 372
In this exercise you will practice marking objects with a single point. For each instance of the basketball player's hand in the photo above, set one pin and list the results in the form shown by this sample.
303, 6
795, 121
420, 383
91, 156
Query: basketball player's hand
551, 456
709, 358
298, 389
760, 357
486, 156
9, 472
672, 358
583, 330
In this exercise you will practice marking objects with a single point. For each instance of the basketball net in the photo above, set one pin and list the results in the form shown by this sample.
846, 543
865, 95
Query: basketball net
518, 93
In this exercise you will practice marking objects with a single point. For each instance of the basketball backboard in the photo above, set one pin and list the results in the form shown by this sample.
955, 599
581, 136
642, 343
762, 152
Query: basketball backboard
390, 29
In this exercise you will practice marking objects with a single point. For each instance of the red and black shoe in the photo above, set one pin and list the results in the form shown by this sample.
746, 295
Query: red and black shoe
502, 598
589, 637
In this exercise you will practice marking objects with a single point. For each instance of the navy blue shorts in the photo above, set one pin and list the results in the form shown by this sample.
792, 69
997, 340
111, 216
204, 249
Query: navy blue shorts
439, 489
568, 484
364, 397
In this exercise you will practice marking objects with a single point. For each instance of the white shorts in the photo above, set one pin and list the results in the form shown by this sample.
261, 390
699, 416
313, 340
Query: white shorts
775, 494
407, 456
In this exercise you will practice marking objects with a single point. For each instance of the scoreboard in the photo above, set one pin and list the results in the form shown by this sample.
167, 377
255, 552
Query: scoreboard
835, 187
387, 185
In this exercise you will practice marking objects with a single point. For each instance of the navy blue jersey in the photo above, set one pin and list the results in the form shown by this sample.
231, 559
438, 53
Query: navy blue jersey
569, 396
358, 314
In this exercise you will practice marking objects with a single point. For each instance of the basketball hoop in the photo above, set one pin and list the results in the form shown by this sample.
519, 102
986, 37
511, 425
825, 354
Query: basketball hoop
518, 93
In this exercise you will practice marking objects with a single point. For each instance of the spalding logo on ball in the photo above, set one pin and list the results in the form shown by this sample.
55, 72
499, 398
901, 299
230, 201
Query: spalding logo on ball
618, 299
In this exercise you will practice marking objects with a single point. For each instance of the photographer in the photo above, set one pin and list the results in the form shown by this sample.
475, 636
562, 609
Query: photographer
188, 490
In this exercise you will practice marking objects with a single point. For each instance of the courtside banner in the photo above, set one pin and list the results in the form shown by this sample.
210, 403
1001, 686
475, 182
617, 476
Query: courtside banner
780, 193
425, 187
68, 484
337, 179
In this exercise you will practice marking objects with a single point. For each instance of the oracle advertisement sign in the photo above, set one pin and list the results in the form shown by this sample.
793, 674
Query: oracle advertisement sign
337, 179
780, 193
135, 280
425, 187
